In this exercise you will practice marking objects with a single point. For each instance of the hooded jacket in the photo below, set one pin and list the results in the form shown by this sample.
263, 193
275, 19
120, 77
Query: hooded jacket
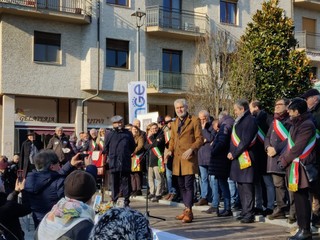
43, 189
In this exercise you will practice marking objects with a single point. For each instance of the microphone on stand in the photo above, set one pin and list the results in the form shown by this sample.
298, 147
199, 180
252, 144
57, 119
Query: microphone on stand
169, 121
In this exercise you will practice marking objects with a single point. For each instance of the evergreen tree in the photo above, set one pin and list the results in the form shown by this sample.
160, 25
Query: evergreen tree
279, 69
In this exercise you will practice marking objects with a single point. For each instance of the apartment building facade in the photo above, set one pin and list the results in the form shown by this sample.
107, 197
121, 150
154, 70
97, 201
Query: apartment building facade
68, 63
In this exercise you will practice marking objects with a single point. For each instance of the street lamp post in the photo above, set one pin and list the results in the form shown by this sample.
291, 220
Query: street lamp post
140, 16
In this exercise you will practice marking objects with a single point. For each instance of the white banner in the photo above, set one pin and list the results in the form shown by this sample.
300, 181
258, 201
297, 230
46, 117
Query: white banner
137, 102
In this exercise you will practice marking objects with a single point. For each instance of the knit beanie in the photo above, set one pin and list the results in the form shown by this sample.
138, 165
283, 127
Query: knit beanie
79, 185
122, 223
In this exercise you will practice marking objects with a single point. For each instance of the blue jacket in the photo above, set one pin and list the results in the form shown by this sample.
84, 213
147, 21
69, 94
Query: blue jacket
219, 163
43, 189
204, 152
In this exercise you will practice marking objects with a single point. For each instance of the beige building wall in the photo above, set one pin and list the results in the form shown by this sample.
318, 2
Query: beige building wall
21, 75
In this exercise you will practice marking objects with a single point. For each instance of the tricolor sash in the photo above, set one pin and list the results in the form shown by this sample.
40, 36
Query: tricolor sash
94, 144
135, 162
157, 153
261, 135
294, 169
244, 158
167, 136
280, 130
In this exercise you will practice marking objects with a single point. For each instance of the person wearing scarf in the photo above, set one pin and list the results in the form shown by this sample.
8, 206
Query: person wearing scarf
300, 150
275, 143
242, 154
186, 139
71, 217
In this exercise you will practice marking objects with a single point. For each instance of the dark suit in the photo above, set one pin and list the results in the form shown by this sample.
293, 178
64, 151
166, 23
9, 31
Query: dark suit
246, 128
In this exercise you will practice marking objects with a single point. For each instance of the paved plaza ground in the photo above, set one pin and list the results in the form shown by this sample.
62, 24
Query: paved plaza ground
205, 226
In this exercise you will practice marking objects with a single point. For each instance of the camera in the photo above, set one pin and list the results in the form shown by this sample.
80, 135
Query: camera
82, 156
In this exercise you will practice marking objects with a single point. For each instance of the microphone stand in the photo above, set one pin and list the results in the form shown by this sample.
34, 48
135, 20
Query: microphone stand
147, 212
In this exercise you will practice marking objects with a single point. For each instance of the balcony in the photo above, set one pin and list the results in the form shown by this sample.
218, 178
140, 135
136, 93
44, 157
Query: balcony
73, 11
308, 41
175, 23
159, 81
308, 4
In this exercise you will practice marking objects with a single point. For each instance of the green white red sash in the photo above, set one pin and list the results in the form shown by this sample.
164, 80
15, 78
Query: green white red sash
261, 135
135, 162
244, 158
167, 136
294, 169
158, 154
94, 144
280, 130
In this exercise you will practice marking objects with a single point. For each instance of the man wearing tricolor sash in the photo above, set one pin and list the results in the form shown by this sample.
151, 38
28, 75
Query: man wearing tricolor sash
312, 97
186, 139
242, 152
263, 120
275, 143
93, 145
300, 150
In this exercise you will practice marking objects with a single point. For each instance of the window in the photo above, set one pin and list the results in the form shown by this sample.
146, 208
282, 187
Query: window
47, 47
171, 66
118, 2
171, 61
228, 12
117, 53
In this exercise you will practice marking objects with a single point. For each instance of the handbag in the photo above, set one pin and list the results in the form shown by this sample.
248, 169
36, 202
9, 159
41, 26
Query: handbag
311, 171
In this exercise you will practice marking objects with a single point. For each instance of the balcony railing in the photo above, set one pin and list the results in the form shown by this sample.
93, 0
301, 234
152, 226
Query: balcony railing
167, 80
83, 7
178, 20
308, 4
309, 41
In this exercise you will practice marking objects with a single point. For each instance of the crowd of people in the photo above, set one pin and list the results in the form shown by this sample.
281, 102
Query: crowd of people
257, 163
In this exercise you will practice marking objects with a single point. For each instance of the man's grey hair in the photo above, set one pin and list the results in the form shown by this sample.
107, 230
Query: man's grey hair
205, 113
223, 114
242, 103
44, 159
93, 130
181, 101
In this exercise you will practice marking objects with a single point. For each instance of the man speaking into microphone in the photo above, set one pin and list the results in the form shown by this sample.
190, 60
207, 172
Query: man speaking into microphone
186, 139
119, 145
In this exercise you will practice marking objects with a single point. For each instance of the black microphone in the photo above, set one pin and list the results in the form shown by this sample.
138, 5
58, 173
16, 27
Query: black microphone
169, 121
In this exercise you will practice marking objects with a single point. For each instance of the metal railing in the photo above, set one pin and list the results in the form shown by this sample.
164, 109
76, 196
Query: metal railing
179, 81
308, 40
177, 19
83, 7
